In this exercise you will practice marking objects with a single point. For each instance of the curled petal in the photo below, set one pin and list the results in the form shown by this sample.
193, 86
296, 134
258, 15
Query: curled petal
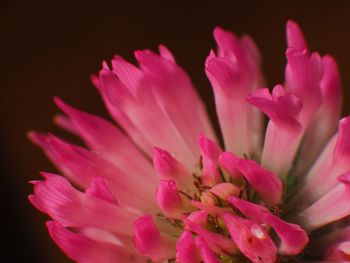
283, 134
251, 239
293, 237
98, 188
267, 185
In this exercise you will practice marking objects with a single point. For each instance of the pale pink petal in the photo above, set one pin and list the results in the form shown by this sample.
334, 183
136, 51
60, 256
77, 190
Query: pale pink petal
186, 250
324, 123
113, 145
140, 107
251, 239
208, 256
283, 133
109, 87
150, 243
224, 190
303, 77
169, 83
72, 208
233, 74
81, 166
333, 161
83, 249
334, 205
214, 210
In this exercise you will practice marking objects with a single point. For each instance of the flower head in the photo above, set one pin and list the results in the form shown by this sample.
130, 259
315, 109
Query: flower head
158, 186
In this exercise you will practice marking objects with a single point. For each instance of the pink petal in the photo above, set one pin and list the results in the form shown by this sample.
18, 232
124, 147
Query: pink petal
334, 205
166, 53
98, 188
295, 36
339, 252
233, 74
65, 123
83, 249
324, 123
266, 184
283, 134
303, 76
332, 162
81, 166
150, 243
109, 142
170, 82
217, 242
208, 256
228, 161
139, 106
168, 168
293, 237
71, 208
186, 250
251, 239
170, 201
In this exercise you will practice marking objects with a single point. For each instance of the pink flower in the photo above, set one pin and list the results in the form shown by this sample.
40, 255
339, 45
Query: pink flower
279, 194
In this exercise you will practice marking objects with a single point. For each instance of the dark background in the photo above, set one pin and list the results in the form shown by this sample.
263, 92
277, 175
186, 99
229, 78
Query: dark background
50, 48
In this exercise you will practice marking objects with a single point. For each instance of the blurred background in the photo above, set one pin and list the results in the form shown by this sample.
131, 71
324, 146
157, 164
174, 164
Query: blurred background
50, 48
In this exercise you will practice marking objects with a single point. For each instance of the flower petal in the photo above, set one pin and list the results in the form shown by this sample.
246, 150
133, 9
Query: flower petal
150, 243
72, 208
251, 239
83, 249
186, 250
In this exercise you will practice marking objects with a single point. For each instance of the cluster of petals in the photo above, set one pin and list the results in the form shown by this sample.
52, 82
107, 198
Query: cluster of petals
159, 187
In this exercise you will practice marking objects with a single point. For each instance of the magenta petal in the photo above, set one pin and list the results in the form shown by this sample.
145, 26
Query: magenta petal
186, 250
251, 239
267, 185
98, 188
293, 237
83, 249
168, 168
170, 201
295, 36
215, 241
149, 242
208, 256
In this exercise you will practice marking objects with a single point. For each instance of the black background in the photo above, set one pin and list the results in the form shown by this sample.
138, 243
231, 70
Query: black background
50, 48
